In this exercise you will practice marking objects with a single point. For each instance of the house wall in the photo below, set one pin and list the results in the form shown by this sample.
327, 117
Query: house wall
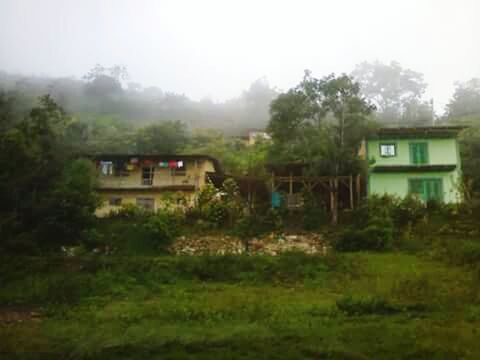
130, 198
397, 184
108, 185
194, 175
440, 151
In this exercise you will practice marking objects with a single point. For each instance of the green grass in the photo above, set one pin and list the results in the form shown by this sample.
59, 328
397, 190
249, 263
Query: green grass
243, 308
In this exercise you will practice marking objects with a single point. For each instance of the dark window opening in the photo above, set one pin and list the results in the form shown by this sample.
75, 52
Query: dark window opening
115, 201
147, 175
146, 203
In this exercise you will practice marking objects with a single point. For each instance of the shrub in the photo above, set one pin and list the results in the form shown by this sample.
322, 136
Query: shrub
314, 213
160, 229
128, 211
376, 236
257, 224
365, 306
409, 210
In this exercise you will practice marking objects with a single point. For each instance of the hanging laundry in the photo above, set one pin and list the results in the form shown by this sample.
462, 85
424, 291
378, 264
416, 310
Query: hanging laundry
107, 167
180, 164
134, 161
163, 164
172, 164
130, 167
147, 162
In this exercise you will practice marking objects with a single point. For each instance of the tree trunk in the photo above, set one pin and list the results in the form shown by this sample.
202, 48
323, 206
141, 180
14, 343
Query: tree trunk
334, 220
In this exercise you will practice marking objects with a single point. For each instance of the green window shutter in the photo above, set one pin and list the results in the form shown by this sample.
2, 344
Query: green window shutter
427, 189
423, 153
419, 153
412, 154
437, 190
417, 187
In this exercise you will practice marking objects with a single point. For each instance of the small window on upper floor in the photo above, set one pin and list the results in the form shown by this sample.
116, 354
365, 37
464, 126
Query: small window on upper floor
388, 150
147, 175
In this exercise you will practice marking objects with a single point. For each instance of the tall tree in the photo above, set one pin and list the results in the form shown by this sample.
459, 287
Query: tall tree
321, 123
465, 102
392, 89
33, 156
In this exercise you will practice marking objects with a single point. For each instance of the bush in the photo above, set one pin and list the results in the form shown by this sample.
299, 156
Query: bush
409, 210
365, 306
257, 224
376, 236
129, 211
379, 221
160, 230
314, 213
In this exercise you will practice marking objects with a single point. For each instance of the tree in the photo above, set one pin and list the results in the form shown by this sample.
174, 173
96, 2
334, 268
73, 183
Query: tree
391, 88
102, 81
6, 111
167, 138
465, 102
34, 156
321, 123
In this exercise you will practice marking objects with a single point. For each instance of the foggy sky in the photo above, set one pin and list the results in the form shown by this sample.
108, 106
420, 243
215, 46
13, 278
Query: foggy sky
216, 49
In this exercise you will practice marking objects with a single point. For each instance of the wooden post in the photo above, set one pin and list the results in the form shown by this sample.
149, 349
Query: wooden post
273, 189
196, 176
359, 189
290, 189
330, 189
350, 187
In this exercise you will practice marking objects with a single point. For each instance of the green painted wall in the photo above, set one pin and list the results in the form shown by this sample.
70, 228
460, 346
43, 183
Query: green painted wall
440, 152
397, 184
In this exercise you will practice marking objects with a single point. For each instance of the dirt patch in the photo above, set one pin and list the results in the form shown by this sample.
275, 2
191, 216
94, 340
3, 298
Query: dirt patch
271, 244
17, 314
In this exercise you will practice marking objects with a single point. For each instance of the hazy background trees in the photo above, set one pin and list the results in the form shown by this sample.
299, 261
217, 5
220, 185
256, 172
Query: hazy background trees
106, 92
396, 92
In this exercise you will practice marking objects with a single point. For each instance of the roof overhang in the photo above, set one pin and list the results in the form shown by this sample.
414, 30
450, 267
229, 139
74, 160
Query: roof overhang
413, 168
435, 132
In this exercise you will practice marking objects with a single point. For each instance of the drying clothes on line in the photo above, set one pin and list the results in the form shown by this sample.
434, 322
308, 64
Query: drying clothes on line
163, 164
180, 164
106, 167
130, 167
147, 162
134, 161
172, 164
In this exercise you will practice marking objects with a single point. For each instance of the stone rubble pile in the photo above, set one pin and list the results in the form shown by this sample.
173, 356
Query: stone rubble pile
271, 244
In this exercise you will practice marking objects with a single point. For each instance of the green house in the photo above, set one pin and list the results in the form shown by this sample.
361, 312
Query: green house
421, 161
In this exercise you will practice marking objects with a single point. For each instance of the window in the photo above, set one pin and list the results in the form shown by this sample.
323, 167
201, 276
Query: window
419, 153
147, 175
427, 189
388, 150
115, 201
146, 203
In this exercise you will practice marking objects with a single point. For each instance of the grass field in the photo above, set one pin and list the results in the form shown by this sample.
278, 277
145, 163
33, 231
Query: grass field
353, 306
